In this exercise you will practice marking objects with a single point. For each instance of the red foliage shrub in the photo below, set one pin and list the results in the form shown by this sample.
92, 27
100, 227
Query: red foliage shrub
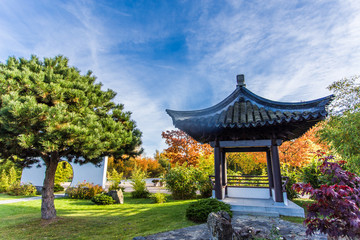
336, 210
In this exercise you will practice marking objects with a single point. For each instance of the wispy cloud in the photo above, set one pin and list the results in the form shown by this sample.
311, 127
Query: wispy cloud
288, 51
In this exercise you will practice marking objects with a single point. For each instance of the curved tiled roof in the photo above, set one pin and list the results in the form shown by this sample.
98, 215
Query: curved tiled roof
244, 113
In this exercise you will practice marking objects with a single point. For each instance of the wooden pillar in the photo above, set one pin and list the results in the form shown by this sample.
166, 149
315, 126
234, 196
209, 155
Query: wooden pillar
218, 172
224, 170
276, 171
269, 170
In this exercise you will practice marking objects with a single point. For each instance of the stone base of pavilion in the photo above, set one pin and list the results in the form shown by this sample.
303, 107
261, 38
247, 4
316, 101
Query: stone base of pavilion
258, 202
263, 207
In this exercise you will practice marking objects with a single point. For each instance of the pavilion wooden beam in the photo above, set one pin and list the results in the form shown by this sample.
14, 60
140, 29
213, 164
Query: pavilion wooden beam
224, 168
276, 172
246, 143
269, 170
247, 149
218, 172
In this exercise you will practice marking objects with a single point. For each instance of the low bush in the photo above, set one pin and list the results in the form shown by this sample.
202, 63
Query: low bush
158, 197
84, 191
102, 199
182, 182
199, 210
26, 189
58, 187
138, 183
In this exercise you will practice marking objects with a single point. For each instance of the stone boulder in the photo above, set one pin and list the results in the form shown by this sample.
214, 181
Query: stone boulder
118, 196
220, 226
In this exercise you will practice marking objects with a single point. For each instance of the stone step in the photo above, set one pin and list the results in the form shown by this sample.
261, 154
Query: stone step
265, 207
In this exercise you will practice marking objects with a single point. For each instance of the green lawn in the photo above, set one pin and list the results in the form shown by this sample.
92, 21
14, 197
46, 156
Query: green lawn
302, 202
81, 219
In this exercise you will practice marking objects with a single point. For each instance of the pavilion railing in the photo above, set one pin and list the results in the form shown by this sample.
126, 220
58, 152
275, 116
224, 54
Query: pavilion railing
252, 181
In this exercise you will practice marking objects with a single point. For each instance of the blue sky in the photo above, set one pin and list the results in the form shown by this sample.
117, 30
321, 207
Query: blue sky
185, 55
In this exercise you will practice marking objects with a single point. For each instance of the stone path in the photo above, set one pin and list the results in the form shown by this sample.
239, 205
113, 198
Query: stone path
288, 230
26, 199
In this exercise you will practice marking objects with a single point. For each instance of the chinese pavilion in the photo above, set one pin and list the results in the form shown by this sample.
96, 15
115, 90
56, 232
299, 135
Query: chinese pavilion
246, 122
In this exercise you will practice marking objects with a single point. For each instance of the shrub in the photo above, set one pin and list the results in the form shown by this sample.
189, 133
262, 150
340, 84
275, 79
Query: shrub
58, 187
181, 181
292, 175
158, 197
84, 191
204, 184
336, 210
13, 176
64, 172
311, 173
4, 181
102, 199
26, 189
114, 175
116, 186
138, 183
198, 211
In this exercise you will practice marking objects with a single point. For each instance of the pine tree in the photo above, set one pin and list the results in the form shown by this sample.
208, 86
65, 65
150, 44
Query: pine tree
49, 112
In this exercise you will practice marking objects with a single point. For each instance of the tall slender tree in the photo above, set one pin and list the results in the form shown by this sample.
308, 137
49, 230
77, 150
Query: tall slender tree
49, 111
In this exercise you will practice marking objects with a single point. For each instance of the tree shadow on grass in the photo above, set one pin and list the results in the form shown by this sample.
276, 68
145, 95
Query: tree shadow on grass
96, 222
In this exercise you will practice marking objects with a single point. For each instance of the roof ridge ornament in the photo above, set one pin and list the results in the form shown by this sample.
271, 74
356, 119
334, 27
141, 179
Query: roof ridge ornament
240, 80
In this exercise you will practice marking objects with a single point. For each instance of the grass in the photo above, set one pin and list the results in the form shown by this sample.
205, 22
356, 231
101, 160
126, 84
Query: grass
81, 219
302, 202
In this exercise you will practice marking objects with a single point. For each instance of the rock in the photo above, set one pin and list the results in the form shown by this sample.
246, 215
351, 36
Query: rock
139, 238
118, 196
220, 226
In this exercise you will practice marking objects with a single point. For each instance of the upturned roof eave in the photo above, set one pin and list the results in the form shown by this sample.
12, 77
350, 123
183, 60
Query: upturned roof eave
242, 92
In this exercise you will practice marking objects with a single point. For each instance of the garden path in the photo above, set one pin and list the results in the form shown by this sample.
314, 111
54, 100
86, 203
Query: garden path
26, 199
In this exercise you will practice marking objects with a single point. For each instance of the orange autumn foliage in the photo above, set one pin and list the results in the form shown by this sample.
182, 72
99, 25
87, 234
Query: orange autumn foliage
247, 163
184, 149
296, 152
146, 164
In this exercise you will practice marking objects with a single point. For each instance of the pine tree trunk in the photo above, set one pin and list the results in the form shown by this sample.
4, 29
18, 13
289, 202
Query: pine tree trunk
47, 203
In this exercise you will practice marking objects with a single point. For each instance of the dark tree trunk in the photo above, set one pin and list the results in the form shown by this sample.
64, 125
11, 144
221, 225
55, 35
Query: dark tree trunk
47, 203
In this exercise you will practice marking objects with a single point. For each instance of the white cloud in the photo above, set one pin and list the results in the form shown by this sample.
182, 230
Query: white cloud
287, 52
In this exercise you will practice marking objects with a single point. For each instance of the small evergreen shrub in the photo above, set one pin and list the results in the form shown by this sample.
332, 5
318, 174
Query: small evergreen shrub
84, 191
102, 199
158, 197
64, 172
26, 189
58, 187
4, 181
198, 211
138, 183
